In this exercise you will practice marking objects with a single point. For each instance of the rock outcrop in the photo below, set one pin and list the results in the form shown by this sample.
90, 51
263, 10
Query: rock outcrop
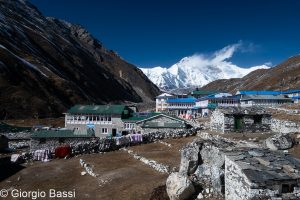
202, 162
179, 187
279, 142
189, 159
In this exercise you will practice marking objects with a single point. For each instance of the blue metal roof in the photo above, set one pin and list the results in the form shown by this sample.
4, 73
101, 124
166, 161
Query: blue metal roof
290, 91
182, 100
296, 97
259, 92
213, 97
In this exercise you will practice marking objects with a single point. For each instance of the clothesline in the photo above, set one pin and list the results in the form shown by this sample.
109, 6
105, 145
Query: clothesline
131, 138
42, 155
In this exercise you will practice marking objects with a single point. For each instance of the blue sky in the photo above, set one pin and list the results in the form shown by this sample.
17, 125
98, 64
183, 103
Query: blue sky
160, 32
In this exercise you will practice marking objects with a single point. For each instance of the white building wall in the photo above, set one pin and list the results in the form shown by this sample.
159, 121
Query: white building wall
97, 122
267, 103
161, 101
202, 104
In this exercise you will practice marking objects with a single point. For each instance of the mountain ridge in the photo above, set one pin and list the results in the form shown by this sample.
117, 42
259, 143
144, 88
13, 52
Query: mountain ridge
284, 76
47, 65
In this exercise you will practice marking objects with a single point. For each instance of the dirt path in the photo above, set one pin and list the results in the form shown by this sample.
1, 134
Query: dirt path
162, 153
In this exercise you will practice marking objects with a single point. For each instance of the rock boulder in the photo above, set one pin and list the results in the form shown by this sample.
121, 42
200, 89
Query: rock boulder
179, 187
189, 159
279, 142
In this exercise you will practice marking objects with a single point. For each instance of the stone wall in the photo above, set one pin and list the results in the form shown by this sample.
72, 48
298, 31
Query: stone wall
216, 168
229, 123
281, 126
237, 185
234, 177
249, 124
248, 180
52, 143
161, 130
93, 145
217, 121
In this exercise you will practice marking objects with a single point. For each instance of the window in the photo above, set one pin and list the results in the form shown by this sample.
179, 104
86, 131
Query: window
287, 188
160, 124
42, 140
104, 130
61, 140
257, 119
129, 125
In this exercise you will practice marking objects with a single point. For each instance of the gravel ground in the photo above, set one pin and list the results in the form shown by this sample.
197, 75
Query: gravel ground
120, 176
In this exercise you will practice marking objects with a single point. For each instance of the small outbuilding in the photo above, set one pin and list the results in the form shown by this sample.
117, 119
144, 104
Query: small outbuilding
235, 119
161, 122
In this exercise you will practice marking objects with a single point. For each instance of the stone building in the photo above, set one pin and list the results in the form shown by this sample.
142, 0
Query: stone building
261, 174
50, 139
105, 120
236, 119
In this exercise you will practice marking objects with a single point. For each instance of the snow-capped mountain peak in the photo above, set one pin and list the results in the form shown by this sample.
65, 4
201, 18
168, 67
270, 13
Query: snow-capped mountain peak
199, 70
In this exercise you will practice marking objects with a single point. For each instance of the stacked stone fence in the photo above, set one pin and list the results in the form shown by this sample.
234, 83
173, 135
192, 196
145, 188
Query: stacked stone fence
282, 126
98, 145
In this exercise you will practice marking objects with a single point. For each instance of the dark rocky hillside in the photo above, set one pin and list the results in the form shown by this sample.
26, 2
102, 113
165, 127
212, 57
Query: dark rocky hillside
281, 77
48, 65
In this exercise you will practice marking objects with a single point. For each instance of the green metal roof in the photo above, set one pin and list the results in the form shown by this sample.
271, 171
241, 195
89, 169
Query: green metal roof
203, 92
97, 109
164, 115
212, 105
139, 118
62, 134
9, 128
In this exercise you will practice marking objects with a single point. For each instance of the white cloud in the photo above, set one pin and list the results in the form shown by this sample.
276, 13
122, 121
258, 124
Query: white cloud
221, 57
225, 53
